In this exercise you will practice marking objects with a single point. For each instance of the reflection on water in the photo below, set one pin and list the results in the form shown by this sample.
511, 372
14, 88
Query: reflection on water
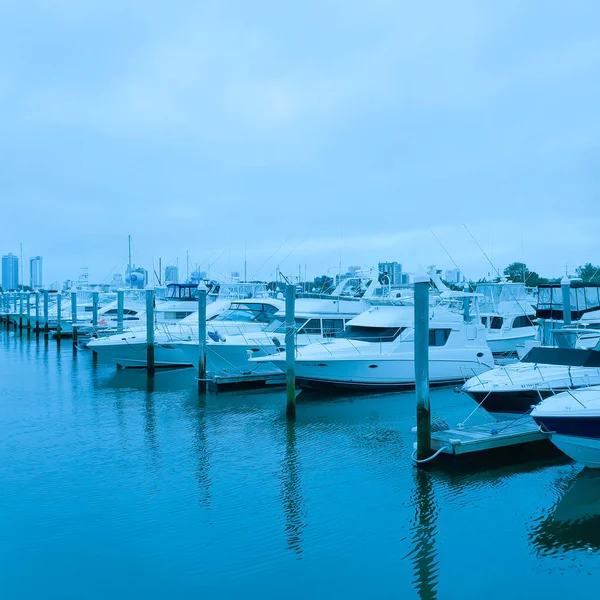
108, 471
202, 452
423, 529
291, 492
574, 522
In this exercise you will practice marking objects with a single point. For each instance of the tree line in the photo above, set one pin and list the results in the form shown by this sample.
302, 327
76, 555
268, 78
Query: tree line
519, 272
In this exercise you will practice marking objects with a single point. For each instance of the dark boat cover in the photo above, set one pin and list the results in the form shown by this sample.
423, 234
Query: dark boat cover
568, 357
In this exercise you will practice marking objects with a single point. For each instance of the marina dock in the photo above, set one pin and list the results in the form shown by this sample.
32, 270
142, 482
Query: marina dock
488, 436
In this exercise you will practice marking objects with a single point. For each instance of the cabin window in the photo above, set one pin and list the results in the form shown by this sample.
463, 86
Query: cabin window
525, 321
484, 321
312, 326
110, 311
371, 334
332, 327
438, 337
496, 323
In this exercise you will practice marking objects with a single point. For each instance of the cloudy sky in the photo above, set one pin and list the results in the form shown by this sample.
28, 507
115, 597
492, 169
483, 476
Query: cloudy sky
299, 133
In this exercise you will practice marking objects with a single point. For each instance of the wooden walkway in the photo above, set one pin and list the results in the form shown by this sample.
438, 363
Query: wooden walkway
489, 436
245, 381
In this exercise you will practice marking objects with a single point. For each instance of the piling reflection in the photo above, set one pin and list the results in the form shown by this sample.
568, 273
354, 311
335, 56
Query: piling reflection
291, 492
203, 453
423, 553
574, 522
150, 425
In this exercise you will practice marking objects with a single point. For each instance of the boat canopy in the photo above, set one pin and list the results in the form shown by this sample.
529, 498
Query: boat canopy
567, 357
495, 294
182, 291
584, 297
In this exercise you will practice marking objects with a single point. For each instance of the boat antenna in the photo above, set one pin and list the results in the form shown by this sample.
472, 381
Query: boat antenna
482, 251
294, 249
270, 257
448, 253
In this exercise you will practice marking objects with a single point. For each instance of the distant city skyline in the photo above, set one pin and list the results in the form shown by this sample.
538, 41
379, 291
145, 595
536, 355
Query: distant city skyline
35, 272
10, 272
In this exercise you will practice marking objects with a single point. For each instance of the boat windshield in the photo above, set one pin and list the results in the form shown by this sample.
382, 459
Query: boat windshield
248, 313
279, 326
371, 334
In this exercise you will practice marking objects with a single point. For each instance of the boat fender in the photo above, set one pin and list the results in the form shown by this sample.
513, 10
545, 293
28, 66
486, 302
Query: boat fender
215, 336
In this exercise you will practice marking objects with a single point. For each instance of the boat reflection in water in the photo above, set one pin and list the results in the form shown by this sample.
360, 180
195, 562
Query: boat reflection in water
575, 522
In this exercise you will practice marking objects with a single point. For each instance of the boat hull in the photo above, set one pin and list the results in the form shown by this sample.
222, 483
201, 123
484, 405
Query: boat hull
231, 360
377, 373
510, 403
134, 355
585, 450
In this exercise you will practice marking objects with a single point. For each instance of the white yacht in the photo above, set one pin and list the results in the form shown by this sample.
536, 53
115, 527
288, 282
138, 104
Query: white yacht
128, 349
573, 418
511, 390
377, 350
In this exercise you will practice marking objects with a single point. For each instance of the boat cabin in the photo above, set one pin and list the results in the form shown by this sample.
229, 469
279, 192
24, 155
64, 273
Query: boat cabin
318, 325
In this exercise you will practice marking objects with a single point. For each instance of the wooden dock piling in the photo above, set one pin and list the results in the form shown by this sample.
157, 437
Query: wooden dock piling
28, 310
74, 315
120, 309
422, 367
21, 311
58, 315
290, 351
37, 313
202, 290
46, 324
150, 331
95, 302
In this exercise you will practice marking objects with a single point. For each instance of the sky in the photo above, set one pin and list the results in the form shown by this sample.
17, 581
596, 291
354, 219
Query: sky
303, 134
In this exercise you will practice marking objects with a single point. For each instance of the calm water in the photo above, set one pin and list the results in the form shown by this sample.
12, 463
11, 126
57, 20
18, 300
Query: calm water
114, 489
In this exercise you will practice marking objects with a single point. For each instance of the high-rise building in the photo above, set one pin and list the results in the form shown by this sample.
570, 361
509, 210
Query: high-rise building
393, 270
171, 274
10, 272
454, 276
35, 272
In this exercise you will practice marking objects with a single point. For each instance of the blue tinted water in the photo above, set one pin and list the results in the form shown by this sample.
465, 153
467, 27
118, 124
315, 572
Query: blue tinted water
113, 488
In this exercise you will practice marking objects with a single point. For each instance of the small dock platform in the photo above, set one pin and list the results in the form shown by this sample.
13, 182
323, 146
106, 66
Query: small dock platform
488, 436
231, 382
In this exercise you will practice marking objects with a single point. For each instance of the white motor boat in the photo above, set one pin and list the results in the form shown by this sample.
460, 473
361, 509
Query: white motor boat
511, 390
128, 349
573, 418
229, 356
377, 351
